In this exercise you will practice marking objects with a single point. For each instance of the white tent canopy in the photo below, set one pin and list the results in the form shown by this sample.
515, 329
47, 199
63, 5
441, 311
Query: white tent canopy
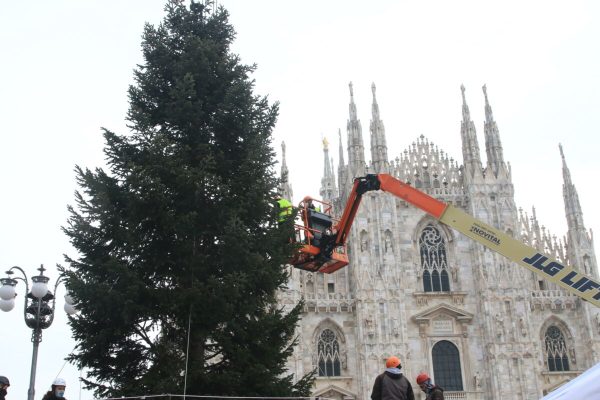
585, 386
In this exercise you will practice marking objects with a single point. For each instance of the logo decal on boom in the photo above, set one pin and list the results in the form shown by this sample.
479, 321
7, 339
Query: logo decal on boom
573, 279
485, 233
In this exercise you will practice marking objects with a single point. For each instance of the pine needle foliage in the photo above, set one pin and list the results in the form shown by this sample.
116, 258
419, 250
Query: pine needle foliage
180, 229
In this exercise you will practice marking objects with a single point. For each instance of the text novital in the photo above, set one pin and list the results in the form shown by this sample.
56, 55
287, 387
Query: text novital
484, 234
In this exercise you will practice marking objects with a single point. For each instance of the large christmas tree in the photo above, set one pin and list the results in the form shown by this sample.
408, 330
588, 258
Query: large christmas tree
180, 253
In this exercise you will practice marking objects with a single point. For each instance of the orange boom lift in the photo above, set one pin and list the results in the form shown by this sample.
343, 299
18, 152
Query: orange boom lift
323, 238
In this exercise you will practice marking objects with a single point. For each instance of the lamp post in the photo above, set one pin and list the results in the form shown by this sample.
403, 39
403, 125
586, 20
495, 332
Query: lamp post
38, 310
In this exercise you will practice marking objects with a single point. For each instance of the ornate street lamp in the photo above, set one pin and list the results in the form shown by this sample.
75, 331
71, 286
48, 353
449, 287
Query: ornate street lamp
38, 310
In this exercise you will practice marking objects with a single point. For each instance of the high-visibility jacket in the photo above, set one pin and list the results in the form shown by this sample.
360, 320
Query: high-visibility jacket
285, 208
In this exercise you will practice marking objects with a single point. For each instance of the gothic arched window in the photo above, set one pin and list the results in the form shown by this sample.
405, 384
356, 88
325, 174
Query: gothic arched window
426, 281
328, 352
433, 260
556, 350
446, 366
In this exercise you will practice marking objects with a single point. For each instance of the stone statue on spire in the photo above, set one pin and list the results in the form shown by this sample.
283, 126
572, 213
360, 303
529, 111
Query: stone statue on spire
562, 155
285, 188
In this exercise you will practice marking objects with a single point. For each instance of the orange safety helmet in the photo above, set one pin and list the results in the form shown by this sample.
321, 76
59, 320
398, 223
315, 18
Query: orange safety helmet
392, 362
423, 377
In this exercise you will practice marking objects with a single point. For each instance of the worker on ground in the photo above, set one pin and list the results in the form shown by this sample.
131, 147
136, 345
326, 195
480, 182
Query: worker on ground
391, 384
57, 391
432, 391
4, 384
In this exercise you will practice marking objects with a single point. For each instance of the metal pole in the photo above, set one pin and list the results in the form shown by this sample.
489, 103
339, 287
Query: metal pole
37, 333
187, 353
36, 338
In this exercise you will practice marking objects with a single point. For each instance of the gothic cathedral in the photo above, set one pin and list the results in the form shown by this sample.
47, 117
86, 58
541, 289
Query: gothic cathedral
482, 327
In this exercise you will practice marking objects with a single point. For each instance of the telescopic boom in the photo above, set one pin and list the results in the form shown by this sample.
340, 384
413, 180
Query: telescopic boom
328, 254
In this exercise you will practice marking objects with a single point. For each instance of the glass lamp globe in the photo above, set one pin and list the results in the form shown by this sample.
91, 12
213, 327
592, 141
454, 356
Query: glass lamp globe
7, 292
39, 289
7, 305
70, 309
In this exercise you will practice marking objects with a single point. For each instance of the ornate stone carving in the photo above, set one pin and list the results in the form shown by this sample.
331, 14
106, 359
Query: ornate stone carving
572, 354
388, 243
499, 325
477, 380
369, 324
522, 325
454, 272
395, 327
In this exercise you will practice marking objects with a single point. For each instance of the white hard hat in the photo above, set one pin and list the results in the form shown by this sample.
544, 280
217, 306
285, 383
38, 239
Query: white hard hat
59, 382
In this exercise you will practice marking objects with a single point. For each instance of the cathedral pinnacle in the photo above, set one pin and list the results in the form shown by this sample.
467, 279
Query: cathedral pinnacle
352, 106
356, 151
285, 187
572, 206
470, 146
341, 148
342, 170
378, 141
580, 242
493, 146
375, 106
488, 109
465, 107
328, 189
567, 183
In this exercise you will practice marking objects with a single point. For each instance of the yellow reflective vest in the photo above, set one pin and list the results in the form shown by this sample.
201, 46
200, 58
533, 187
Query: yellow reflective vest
285, 208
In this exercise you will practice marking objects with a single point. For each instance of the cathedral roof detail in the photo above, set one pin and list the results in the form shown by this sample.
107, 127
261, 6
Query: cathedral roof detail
425, 166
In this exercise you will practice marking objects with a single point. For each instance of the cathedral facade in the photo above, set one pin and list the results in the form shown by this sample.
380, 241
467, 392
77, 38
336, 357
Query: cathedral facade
481, 326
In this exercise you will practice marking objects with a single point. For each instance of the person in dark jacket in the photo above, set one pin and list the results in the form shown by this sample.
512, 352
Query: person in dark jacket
57, 391
4, 384
391, 384
432, 391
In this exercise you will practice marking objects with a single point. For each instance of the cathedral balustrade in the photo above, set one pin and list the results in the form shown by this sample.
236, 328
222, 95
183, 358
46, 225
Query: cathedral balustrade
450, 192
453, 395
328, 302
456, 396
456, 298
289, 296
556, 299
463, 395
454, 195
554, 379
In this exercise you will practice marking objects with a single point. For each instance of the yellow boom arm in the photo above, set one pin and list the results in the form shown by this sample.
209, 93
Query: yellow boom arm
581, 285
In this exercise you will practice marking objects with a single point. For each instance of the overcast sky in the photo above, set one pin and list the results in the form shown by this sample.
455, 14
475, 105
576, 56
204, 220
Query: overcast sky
66, 65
